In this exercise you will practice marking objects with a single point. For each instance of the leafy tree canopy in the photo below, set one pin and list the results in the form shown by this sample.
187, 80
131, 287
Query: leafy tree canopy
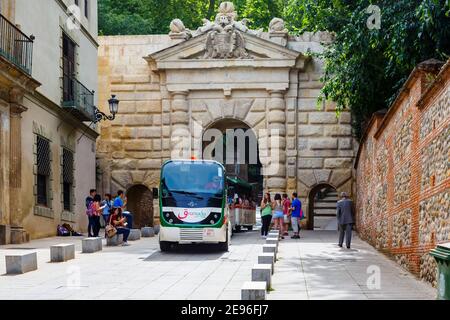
364, 68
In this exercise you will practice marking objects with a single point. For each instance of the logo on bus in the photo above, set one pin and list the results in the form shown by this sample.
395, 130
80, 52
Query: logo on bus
192, 214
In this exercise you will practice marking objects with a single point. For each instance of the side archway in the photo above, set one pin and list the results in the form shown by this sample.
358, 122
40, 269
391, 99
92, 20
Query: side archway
140, 204
322, 201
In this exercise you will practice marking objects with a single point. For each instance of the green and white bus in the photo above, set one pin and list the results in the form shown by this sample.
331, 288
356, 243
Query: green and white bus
192, 204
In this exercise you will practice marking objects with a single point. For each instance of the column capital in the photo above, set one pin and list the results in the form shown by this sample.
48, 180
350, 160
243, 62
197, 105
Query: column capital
276, 93
182, 94
16, 109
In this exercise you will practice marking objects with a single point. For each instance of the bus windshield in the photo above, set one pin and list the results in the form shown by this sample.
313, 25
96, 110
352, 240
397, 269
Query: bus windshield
186, 180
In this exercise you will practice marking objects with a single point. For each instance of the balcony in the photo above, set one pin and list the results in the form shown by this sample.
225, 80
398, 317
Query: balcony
15, 46
77, 99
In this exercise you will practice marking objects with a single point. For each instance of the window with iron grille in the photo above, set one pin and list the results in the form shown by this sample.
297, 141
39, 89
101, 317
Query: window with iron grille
67, 174
43, 170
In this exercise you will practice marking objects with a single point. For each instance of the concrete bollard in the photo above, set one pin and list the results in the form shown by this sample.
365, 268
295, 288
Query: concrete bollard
135, 234
147, 232
62, 252
270, 248
21, 262
272, 240
262, 272
157, 227
114, 241
90, 245
274, 233
253, 290
267, 258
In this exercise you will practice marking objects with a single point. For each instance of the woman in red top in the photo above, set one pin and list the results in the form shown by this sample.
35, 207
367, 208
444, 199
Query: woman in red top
120, 223
286, 213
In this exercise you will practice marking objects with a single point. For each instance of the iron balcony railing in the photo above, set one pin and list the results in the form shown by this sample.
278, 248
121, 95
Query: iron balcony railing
77, 99
15, 46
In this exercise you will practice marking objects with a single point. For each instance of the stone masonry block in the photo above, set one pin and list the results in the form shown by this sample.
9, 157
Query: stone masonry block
262, 272
323, 143
310, 131
338, 163
62, 252
322, 118
310, 163
253, 290
21, 262
90, 245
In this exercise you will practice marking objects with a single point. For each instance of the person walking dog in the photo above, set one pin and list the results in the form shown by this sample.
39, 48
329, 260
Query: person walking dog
345, 216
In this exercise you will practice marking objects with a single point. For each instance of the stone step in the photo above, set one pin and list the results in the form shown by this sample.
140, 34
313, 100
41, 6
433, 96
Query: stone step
62, 252
21, 262
325, 205
253, 290
329, 199
327, 212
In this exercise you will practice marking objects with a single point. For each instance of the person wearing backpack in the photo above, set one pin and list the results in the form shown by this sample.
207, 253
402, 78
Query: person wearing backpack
97, 211
90, 211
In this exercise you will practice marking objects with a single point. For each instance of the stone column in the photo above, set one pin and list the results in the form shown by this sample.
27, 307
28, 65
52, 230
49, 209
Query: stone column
180, 135
15, 162
276, 118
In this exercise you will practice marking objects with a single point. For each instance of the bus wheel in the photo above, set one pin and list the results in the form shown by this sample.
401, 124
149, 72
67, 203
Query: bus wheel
164, 246
223, 246
237, 228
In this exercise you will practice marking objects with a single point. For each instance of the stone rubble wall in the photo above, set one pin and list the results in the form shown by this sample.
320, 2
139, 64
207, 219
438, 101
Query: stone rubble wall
403, 176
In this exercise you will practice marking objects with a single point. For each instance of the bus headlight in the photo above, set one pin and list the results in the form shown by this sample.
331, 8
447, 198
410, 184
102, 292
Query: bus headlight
212, 222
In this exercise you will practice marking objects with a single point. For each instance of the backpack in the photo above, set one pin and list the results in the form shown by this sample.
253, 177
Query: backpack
62, 232
302, 216
90, 210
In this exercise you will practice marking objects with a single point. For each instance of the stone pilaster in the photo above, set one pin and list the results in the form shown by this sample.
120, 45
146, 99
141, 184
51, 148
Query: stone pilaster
276, 118
180, 135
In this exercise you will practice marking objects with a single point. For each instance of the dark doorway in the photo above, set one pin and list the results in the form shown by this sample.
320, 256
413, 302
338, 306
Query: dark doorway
140, 204
322, 208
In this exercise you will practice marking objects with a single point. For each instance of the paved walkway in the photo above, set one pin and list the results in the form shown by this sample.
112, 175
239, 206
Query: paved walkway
139, 271
314, 267
310, 268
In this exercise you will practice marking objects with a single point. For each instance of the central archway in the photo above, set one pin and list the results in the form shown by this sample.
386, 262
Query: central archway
233, 143
322, 201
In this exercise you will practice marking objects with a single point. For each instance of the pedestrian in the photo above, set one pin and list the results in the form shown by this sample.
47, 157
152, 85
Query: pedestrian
266, 214
120, 201
278, 214
90, 211
296, 207
345, 213
96, 214
286, 213
107, 205
119, 222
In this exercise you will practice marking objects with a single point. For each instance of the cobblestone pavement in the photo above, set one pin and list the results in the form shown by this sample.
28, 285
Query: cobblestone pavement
310, 268
314, 267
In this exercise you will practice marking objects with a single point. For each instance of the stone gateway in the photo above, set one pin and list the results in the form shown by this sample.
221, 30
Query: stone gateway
175, 87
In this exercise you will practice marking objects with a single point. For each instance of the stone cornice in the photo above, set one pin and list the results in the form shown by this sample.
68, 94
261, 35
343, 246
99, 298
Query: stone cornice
12, 76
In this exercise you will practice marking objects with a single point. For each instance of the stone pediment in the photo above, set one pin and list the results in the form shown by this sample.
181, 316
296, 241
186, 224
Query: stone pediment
225, 42
193, 54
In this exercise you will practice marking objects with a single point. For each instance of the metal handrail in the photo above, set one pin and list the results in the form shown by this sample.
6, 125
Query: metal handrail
15, 46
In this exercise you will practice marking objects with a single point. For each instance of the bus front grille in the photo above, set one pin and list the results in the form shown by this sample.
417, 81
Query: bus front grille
191, 234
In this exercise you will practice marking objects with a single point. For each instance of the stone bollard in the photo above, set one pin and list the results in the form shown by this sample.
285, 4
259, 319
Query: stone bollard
114, 241
272, 240
157, 227
253, 290
17, 263
275, 233
147, 232
90, 245
267, 258
262, 272
270, 248
135, 234
62, 252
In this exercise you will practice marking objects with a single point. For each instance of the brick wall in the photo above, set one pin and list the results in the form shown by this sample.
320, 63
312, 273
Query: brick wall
403, 172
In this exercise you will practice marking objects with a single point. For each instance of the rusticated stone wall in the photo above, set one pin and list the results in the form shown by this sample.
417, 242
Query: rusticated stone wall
403, 172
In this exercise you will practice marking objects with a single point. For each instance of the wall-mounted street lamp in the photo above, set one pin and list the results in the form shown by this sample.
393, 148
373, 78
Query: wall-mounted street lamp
113, 108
